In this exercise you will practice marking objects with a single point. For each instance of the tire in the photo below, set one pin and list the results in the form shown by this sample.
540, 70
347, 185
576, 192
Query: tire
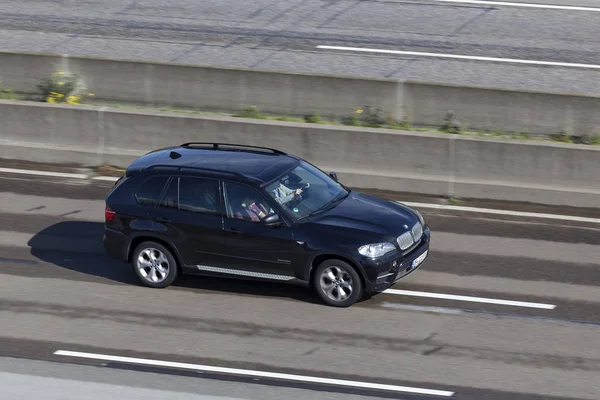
162, 257
347, 277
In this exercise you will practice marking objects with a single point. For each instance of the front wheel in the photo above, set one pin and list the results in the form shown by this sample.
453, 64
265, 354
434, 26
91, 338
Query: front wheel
154, 265
337, 283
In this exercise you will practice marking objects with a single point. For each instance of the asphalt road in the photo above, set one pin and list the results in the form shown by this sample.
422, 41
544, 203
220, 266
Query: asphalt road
284, 35
58, 291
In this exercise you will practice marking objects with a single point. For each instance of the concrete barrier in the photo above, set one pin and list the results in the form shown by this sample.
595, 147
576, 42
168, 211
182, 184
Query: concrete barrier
202, 87
425, 163
228, 89
502, 110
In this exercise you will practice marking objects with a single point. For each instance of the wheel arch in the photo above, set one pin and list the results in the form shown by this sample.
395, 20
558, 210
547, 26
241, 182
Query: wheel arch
136, 241
320, 258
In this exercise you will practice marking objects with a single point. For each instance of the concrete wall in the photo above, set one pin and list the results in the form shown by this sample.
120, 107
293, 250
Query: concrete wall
414, 162
228, 89
177, 85
509, 111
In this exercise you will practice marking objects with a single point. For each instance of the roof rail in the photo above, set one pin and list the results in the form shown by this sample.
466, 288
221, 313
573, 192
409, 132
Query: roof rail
215, 146
180, 167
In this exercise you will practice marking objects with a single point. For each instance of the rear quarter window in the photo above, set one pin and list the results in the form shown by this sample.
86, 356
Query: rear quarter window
148, 193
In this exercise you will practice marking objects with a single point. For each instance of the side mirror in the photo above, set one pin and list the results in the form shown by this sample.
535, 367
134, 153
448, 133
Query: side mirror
271, 220
333, 175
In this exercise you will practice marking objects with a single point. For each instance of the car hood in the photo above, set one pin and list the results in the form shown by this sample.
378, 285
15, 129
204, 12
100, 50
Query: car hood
370, 214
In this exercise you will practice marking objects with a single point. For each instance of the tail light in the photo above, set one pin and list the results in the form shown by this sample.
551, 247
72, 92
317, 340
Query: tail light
109, 214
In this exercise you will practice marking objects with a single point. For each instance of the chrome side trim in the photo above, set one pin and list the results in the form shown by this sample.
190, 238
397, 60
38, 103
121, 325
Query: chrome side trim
244, 273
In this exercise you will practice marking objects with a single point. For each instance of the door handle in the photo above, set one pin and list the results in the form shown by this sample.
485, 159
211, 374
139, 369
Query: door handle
231, 230
163, 219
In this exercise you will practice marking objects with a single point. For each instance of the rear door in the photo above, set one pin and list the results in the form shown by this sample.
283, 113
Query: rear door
190, 215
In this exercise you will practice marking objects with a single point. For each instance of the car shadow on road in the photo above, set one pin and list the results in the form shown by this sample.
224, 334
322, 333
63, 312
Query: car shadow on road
77, 246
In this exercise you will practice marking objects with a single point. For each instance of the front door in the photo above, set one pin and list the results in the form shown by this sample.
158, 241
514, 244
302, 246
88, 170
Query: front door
254, 249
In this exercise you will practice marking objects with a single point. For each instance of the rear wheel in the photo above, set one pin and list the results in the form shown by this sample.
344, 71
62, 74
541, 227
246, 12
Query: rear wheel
154, 265
337, 283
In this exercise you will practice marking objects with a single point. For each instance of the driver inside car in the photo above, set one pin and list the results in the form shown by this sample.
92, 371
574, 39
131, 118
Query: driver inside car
284, 195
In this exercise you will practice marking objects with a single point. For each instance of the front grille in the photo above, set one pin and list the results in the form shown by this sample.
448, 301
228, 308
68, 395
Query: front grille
405, 240
411, 237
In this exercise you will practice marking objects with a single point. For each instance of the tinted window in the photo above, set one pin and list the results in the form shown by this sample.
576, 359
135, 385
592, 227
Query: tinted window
149, 192
199, 195
244, 202
169, 199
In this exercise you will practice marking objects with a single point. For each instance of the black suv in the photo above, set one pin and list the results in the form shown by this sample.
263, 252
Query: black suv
253, 212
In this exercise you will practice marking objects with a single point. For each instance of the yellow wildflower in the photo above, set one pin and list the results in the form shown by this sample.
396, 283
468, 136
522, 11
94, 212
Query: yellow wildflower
73, 99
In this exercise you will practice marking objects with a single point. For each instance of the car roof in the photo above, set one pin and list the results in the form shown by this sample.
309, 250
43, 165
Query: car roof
258, 164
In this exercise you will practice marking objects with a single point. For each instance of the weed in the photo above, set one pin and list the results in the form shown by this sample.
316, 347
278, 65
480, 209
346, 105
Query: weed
586, 139
315, 118
451, 124
7, 94
561, 137
62, 88
250, 112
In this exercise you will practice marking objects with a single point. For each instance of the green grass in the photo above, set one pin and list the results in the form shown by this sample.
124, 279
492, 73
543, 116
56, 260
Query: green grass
7, 94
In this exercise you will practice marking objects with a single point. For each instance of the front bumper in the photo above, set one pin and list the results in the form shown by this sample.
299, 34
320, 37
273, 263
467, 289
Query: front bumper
384, 273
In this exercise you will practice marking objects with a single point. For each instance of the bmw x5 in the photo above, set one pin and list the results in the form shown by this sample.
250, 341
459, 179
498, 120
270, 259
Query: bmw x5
257, 213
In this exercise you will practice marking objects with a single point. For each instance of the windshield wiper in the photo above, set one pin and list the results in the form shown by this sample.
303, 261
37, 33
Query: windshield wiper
329, 205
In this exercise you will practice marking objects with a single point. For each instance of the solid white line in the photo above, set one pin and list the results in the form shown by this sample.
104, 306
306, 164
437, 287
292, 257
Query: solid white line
105, 178
503, 212
42, 173
460, 57
440, 310
471, 299
524, 5
258, 374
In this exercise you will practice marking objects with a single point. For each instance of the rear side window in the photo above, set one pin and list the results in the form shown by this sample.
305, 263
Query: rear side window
199, 195
149, 192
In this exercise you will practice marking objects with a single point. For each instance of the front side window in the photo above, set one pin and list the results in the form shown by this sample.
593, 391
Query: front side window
149, 191
305, 190
245, 203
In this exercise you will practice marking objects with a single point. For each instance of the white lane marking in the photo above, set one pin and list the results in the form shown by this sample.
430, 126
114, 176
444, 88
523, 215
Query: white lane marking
56, 174
524, 5
502, 212
439, 310
257, 374
461, 57
470, 298
410, 204
42, 173
105, 178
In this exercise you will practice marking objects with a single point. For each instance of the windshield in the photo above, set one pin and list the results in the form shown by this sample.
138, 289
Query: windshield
305, 190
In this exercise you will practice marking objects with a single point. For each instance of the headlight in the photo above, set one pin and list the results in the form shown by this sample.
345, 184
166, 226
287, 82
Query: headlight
376, 250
